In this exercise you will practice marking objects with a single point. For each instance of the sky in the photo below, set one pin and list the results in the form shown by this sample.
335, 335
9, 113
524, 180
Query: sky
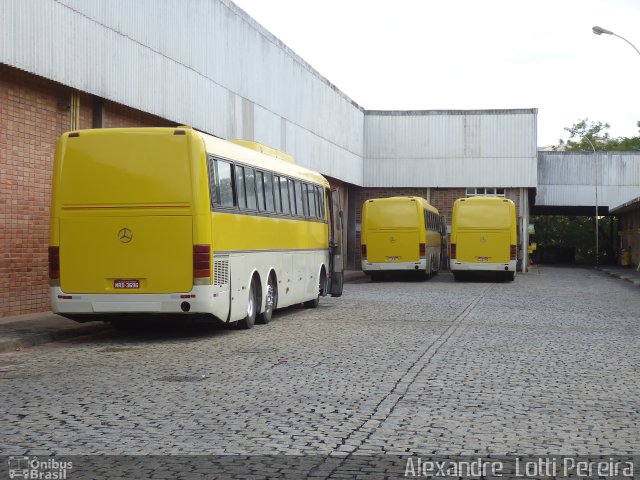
472, 54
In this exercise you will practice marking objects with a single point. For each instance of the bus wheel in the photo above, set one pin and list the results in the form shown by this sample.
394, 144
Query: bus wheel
511, 276
250, 319
271, 301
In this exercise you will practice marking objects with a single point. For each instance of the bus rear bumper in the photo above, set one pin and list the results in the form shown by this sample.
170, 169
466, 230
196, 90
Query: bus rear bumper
393, 266
87, 307
483, 267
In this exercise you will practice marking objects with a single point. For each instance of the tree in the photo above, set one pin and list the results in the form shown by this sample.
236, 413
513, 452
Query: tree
596, 132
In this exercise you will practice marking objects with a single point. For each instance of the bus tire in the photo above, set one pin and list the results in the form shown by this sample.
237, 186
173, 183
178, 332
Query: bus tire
252, 302
457, 276
510, 276
271, 301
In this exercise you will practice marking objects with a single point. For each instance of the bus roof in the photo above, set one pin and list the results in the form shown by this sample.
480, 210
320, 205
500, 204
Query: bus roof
223, 149
237, 152
422, 201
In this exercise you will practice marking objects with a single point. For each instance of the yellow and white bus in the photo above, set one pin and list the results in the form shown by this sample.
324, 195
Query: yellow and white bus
400, 234
173, 221
484, 236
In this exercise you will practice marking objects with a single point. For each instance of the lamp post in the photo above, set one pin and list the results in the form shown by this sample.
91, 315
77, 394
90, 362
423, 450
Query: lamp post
599, 31
595, 162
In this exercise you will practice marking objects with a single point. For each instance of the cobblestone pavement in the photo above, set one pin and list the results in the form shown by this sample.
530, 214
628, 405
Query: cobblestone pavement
547, 364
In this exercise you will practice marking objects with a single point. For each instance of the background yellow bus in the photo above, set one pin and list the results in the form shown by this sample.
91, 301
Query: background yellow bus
400, 234
173, 221
483, 236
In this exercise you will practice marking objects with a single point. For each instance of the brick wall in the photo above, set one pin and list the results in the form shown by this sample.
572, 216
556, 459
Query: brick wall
34, 112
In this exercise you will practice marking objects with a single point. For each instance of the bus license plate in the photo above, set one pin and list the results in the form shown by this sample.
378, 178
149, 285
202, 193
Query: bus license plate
483, 259
126, 284
393, 259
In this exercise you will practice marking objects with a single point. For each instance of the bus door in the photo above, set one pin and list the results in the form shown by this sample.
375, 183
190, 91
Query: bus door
336, 265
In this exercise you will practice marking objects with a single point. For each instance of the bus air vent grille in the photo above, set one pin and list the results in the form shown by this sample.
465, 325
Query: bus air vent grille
221, 272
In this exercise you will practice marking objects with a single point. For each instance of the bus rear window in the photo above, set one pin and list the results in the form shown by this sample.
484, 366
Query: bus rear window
125, 169
483, 216
402, 214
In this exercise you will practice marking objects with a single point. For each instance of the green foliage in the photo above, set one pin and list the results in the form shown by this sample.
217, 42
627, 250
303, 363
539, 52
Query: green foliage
586, 133
576, 234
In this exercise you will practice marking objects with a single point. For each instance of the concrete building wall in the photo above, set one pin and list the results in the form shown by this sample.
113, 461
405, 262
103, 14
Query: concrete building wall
570, 178
205, 63
451, 148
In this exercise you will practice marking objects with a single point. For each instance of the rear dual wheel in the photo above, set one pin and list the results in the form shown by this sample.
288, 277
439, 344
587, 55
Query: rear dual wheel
271, 301
252, 304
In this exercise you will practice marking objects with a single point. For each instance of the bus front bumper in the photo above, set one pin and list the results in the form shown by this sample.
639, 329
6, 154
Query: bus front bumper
394, 266
483, 267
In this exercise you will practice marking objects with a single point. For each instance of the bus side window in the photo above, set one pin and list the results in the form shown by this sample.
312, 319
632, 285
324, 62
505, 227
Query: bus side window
260, 190
292, 197
224, 184
250, 183
284, 193
214, 189
320, 203
302, 207
268, 192
311, 195
242, 198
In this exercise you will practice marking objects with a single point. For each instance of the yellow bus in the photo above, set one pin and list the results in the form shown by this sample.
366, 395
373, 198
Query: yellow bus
484, 237
400, 234
174, 221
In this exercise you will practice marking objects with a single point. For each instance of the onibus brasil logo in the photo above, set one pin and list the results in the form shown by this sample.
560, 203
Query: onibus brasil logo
32, 468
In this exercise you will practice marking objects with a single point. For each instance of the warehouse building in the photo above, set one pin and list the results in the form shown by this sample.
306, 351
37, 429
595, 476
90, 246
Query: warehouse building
213, 67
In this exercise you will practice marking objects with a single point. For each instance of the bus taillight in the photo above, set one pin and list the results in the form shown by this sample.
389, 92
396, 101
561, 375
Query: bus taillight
363, 251
423, 250
201, 264
453, 250
54, 266
513, 252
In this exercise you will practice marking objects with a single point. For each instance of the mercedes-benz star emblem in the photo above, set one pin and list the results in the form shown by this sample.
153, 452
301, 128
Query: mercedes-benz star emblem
125, 235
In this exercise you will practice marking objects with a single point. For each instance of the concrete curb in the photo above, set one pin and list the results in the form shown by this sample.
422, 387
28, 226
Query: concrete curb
21, 334
634, 279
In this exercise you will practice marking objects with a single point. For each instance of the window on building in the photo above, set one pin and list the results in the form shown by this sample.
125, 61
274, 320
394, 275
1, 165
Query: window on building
485, 192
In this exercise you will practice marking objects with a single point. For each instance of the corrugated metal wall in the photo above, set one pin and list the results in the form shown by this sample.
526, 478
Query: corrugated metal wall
490, 148
569, 178
204, 63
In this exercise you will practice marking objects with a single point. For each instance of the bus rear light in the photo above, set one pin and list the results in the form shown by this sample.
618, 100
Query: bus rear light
363, 252
54, 263
65, 297
202, 264
188, 295
513, 252
423, 250
453, 250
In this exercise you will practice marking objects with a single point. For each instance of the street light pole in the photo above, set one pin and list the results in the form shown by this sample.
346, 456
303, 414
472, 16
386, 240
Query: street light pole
599, 31
595, 162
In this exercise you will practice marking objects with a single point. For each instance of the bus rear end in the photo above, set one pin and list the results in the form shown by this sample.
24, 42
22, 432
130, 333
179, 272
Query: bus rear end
393, 236
483, 236
127, 230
